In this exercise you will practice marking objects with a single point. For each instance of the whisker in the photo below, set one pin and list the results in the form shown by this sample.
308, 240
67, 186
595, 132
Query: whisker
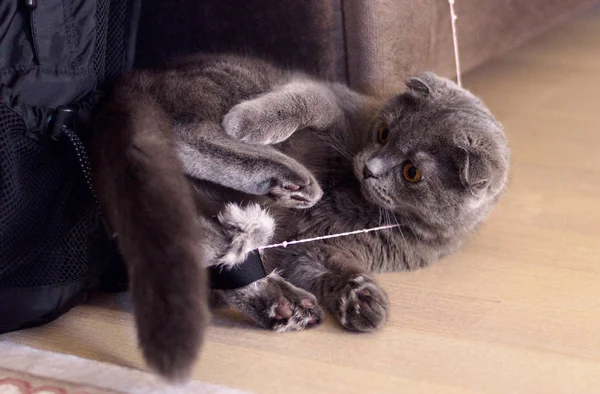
399, 227
412, 226
338, 145
385, 217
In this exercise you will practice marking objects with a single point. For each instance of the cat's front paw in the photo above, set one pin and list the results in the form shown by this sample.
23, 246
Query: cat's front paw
362, 305
290, 184
256, 122
276, 304
300, 195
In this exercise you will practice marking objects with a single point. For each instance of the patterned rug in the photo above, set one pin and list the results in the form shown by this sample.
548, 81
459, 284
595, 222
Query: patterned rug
25, 370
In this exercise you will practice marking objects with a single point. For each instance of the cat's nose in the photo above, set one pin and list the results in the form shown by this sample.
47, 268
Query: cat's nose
367, 173
374, 168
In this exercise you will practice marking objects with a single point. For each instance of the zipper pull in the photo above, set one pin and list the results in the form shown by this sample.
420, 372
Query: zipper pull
30, 4
61, 120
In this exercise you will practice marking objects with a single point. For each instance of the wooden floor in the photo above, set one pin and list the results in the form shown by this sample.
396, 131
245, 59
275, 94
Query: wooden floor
518, 311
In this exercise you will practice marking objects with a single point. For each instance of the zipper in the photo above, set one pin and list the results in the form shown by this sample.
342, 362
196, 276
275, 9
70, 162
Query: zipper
31, 5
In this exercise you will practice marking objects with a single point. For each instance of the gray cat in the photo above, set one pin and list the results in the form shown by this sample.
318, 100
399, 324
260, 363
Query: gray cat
317, 157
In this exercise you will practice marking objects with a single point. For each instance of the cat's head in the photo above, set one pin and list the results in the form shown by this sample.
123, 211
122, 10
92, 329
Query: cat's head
435, 154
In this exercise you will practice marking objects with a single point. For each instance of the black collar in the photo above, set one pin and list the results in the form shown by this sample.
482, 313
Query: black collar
240, 275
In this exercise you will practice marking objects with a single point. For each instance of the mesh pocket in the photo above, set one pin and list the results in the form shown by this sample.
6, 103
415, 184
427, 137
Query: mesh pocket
118, 30
46, 213
112, 37
52, 248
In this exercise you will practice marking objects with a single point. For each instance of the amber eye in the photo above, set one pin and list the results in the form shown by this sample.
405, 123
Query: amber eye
383, 134
410, 172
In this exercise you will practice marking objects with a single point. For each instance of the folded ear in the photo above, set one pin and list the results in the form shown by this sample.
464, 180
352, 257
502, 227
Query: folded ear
474, 167
424, 84
474, 172
418, 86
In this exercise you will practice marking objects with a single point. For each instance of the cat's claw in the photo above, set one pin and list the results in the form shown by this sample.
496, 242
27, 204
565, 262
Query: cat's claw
362, 305
287, 316
293, 195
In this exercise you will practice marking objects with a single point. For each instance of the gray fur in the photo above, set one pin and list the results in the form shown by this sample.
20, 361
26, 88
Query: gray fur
288, 108
274, 303
245, 131
246, 228
205, 152
447, 132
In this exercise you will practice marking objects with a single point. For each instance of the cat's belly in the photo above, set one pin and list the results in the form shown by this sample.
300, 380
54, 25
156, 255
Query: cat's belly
340, 210
344, 210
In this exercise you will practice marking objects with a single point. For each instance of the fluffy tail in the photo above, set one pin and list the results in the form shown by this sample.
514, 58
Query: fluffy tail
149, 204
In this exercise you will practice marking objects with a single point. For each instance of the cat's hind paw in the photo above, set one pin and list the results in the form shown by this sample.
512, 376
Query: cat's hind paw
276, 304
362, 305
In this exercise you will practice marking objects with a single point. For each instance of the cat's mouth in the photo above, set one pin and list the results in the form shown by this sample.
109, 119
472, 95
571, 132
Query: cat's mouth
373, 193
370, 189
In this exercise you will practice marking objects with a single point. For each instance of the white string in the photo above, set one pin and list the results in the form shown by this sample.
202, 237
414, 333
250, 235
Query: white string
285, 244
453, 19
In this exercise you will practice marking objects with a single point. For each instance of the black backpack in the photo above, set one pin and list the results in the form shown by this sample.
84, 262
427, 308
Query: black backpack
56, 58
